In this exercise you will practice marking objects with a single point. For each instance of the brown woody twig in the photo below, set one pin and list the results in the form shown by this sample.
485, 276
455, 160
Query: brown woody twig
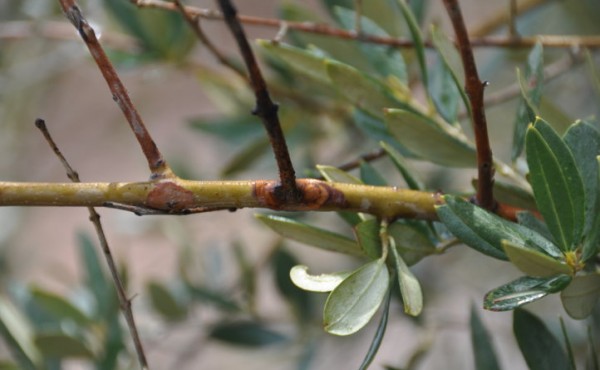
124, 301
59, 30
368, 157
556, 41
194, 22
474, 88
157, 164
265, 108
551, 71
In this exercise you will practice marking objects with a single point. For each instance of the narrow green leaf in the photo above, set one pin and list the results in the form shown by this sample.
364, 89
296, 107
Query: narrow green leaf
222, 300
350, 218
444, 93
234, 129
511, 194
370, 176
360, 89
113, 344
303, 61
397, 158
484, 231
529, 220
592, 241
580, 297
375, 128
449, 53
282, 262
248, 155
59, 306
334, 174
385, 12
568, 346
306, 358
316, 283
18, 334
542, 351
163, 35
386, 61
592, 362
584, 141
96, 279
556, 183
59, 345
428, 140
367, 235
352, 303
311, 235
379, 333
338, 49
522, 291
411, 244
246, 333
164, 302
417, 37
534, 263
410, 289
453, 70
485, 356
248, 274
531, 91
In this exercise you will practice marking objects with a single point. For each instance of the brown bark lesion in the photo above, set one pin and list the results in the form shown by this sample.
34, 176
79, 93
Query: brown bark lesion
314, 195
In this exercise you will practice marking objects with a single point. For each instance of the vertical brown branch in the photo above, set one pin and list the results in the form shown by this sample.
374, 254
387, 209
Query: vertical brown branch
124, 302
158, 166
265, 108
475, 89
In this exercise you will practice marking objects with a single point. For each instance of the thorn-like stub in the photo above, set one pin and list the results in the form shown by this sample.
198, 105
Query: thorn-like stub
40, 123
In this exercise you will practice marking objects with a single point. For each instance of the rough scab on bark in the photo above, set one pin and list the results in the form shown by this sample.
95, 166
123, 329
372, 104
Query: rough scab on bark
169, 196
315, 195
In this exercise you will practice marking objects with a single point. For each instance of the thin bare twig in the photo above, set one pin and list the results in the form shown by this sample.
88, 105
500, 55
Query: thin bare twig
145, 211
499, 19
368, 157
551, 71
194, 22
157, 164
556, 41
475, 89
124, 301
265, 108
55, 30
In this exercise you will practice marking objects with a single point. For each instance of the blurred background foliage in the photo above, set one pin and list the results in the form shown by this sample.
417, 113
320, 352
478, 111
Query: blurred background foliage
228, 298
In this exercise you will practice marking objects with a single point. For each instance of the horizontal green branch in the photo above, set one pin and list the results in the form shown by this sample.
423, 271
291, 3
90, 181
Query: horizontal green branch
179, 196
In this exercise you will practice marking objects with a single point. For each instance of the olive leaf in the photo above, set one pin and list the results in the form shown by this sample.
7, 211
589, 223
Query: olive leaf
556, 183
316, 283
352, 304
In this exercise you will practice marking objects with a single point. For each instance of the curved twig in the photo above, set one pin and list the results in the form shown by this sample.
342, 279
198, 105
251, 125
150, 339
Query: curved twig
124, 301
156, 163
550, 41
